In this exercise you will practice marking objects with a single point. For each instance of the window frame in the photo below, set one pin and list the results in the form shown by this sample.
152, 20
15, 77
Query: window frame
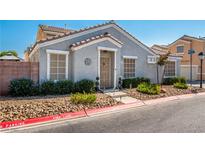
129, 58
175, 72
181, 45
151, 59
57, 52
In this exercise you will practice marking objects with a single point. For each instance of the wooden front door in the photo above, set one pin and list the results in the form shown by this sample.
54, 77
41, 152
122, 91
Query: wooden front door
105, 71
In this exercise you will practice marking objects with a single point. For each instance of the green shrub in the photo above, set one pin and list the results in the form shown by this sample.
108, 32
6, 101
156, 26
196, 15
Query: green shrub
36, 90
83, 98
21, 87
171, 81
134, 82
180, 85
148, 88
87, 86
64, 87
48, 88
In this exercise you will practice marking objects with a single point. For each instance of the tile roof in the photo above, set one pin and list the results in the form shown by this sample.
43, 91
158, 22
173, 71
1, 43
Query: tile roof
10, 57
106, 35
164, 52
67, 34
85, 29
54, 29
192, 37
160, 46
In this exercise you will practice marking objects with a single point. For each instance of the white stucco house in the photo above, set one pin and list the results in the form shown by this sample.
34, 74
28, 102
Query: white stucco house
106, 51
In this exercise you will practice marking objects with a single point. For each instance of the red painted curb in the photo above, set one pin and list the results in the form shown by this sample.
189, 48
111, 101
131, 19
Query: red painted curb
42, 119
70, 115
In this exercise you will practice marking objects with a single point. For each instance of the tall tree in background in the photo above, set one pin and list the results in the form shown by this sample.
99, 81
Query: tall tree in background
7, 52
163, 59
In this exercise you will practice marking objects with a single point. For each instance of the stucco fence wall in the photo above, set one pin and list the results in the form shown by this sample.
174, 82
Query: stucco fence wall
10, 70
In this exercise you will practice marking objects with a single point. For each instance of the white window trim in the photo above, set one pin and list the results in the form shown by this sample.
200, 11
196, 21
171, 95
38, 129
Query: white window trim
151, 62
171, 60
59, 52
100, 48
128, 57
180, 45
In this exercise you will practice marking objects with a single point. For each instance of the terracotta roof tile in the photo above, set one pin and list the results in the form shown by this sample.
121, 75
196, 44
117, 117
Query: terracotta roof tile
93, 39
54, 29
89, 28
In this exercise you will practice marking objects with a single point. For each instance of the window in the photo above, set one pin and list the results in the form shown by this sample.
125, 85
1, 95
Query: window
129, 68
170, 69
151, 59
57, 67
180, 49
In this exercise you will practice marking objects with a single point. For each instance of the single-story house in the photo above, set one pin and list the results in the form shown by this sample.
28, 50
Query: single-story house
106, 51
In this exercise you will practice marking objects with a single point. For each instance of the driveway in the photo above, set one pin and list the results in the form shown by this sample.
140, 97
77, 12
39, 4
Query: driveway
187, 115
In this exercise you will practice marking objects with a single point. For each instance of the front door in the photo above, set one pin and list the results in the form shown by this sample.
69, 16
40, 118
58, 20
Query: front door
105, 71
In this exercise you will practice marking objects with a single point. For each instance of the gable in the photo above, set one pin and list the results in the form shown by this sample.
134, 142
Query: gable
94, 30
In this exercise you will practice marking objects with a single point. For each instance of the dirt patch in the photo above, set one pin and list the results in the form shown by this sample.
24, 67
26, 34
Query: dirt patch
25, 108
169, 91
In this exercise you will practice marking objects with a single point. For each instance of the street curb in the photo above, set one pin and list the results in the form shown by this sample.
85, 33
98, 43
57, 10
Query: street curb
16, 123
67, 116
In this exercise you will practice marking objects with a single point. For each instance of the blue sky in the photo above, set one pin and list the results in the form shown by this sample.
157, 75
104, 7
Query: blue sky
17, 35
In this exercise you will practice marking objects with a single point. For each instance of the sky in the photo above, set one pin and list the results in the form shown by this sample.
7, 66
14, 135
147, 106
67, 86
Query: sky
19, 34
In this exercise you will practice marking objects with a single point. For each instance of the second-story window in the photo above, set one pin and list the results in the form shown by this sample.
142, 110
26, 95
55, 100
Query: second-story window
180, 49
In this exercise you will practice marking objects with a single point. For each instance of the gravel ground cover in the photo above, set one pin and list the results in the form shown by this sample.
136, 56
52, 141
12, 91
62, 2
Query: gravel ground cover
168, 91
31, 107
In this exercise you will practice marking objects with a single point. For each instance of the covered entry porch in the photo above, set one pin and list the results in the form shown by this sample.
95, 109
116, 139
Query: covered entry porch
107, 68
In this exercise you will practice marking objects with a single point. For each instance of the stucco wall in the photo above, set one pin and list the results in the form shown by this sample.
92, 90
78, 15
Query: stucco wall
82, 71
129, 48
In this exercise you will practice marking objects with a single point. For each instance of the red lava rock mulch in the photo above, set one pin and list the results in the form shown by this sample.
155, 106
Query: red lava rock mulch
169, 91
32, 107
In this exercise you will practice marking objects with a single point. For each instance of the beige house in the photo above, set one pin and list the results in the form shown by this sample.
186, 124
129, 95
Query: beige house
181, 47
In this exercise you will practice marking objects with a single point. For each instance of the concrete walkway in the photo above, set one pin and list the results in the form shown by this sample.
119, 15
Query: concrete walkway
124, 98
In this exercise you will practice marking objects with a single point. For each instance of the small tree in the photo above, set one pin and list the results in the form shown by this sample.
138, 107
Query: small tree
163, 59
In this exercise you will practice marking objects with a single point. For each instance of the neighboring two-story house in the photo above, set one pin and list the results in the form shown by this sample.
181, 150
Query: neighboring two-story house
181, 47
106, 51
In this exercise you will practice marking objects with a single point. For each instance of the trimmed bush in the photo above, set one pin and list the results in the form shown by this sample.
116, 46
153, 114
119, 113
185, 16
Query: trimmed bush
134, 82
36, 90
64, 87
148, 88
180, 85
171, 81
48, 88
83, 98
21, 87
87, 86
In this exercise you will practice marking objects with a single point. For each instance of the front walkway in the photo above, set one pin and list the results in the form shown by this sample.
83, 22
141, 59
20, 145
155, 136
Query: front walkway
124, 98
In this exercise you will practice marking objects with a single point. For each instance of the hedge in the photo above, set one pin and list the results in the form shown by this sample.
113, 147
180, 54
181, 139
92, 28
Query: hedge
21, 87
171, 81
26, 87
87, 86
134, 82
